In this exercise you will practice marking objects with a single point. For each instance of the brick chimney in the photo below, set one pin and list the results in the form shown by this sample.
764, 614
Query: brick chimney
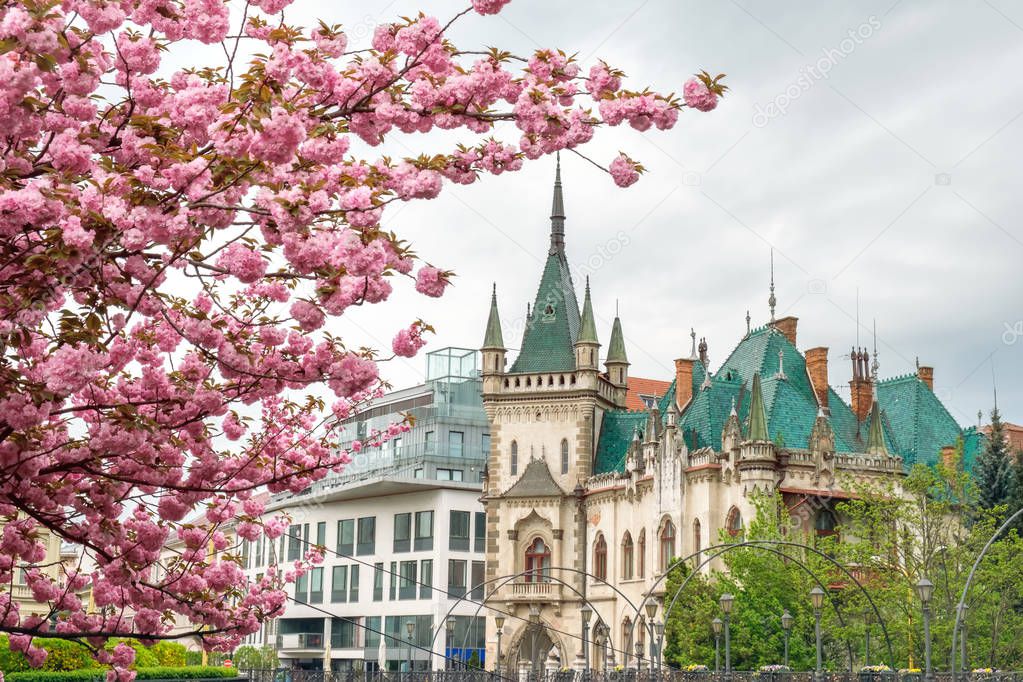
861, 390
817, 368
787, 326
926, 375
683, 381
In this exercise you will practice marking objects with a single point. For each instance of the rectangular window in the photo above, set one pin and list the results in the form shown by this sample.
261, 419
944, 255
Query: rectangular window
477, 580
486, 444
321, 533
425, 578
346, 537
302, 588
339, 584
353, 585
392, 591
456, 577
431, 442
480, 534
245, 553
456, 441
458, 532
294, 542
378, 582
371, 632
367, 535
407, 580
343, 633
396, 443
419, 473
449, 474
316, 585
402, 532
424, 530
259, 551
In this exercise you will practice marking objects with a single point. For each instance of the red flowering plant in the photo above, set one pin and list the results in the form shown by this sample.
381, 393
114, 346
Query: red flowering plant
175, 240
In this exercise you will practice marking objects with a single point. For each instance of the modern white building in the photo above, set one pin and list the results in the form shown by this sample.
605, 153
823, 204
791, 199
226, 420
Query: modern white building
405, 536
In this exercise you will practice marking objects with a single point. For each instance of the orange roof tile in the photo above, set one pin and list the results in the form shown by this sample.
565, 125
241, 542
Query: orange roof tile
648, 387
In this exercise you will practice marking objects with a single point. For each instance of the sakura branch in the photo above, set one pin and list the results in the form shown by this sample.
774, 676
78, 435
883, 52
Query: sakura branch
175, 243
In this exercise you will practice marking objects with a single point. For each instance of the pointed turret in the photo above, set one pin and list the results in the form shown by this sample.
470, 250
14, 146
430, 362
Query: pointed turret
493, 339
586, 346
757, 415
493, 346
617, 363
875, 436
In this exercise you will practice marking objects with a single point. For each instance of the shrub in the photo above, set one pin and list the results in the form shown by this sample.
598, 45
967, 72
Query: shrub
155, 673
169, 654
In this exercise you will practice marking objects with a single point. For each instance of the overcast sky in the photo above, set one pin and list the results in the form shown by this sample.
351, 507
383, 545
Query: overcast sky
894, 175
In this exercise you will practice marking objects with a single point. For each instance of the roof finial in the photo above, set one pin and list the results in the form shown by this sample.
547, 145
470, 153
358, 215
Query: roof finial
558, 213
980, 419
875, 365
747, 323
781, 365
692, 334
772, 301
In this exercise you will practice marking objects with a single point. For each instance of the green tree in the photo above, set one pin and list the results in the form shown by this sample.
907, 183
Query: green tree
250, 657
169, 654
993, 468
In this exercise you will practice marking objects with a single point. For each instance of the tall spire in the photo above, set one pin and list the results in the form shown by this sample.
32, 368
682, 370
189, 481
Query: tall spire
587, 325
772, 301
875, 365
558, 213
493, 339
757, 415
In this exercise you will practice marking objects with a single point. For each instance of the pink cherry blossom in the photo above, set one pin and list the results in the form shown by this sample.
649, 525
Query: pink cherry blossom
624, 171
182, 239
698, 96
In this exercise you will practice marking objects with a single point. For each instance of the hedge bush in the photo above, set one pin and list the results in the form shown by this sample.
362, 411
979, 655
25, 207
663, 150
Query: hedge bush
157, 673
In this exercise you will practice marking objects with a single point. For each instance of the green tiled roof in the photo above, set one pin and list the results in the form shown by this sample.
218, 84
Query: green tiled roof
757, 429
587, 325
921, 424
553, 326
616, 431
913, 422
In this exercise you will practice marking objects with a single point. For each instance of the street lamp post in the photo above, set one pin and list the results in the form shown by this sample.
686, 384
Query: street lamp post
410, 627
866, 623
717, 624
817, 599
499, 622
962, 637
534, 622
449, 628
786, 628
586, 612
651, 611
924, 590
726, 602
659, 626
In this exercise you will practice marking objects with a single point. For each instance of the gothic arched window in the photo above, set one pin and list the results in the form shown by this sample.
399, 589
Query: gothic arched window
733, 523
564, 455
667, 544
600, 558
514, 468
697, 540
538, 561
641, 558
627, 560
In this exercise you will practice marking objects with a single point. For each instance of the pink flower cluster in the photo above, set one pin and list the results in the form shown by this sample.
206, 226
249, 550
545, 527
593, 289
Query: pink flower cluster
698, 96
180, 242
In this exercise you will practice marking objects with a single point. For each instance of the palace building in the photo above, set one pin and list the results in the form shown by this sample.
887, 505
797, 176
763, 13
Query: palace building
588, 497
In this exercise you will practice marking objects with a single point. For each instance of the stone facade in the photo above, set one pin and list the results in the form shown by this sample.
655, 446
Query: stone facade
588, 502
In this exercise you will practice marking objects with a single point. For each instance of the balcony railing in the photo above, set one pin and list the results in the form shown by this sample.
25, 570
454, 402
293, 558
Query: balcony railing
300, 640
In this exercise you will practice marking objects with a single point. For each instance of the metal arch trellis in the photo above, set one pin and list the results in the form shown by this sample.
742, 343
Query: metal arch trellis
509, 577
969, 581
760, 544
798, 562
